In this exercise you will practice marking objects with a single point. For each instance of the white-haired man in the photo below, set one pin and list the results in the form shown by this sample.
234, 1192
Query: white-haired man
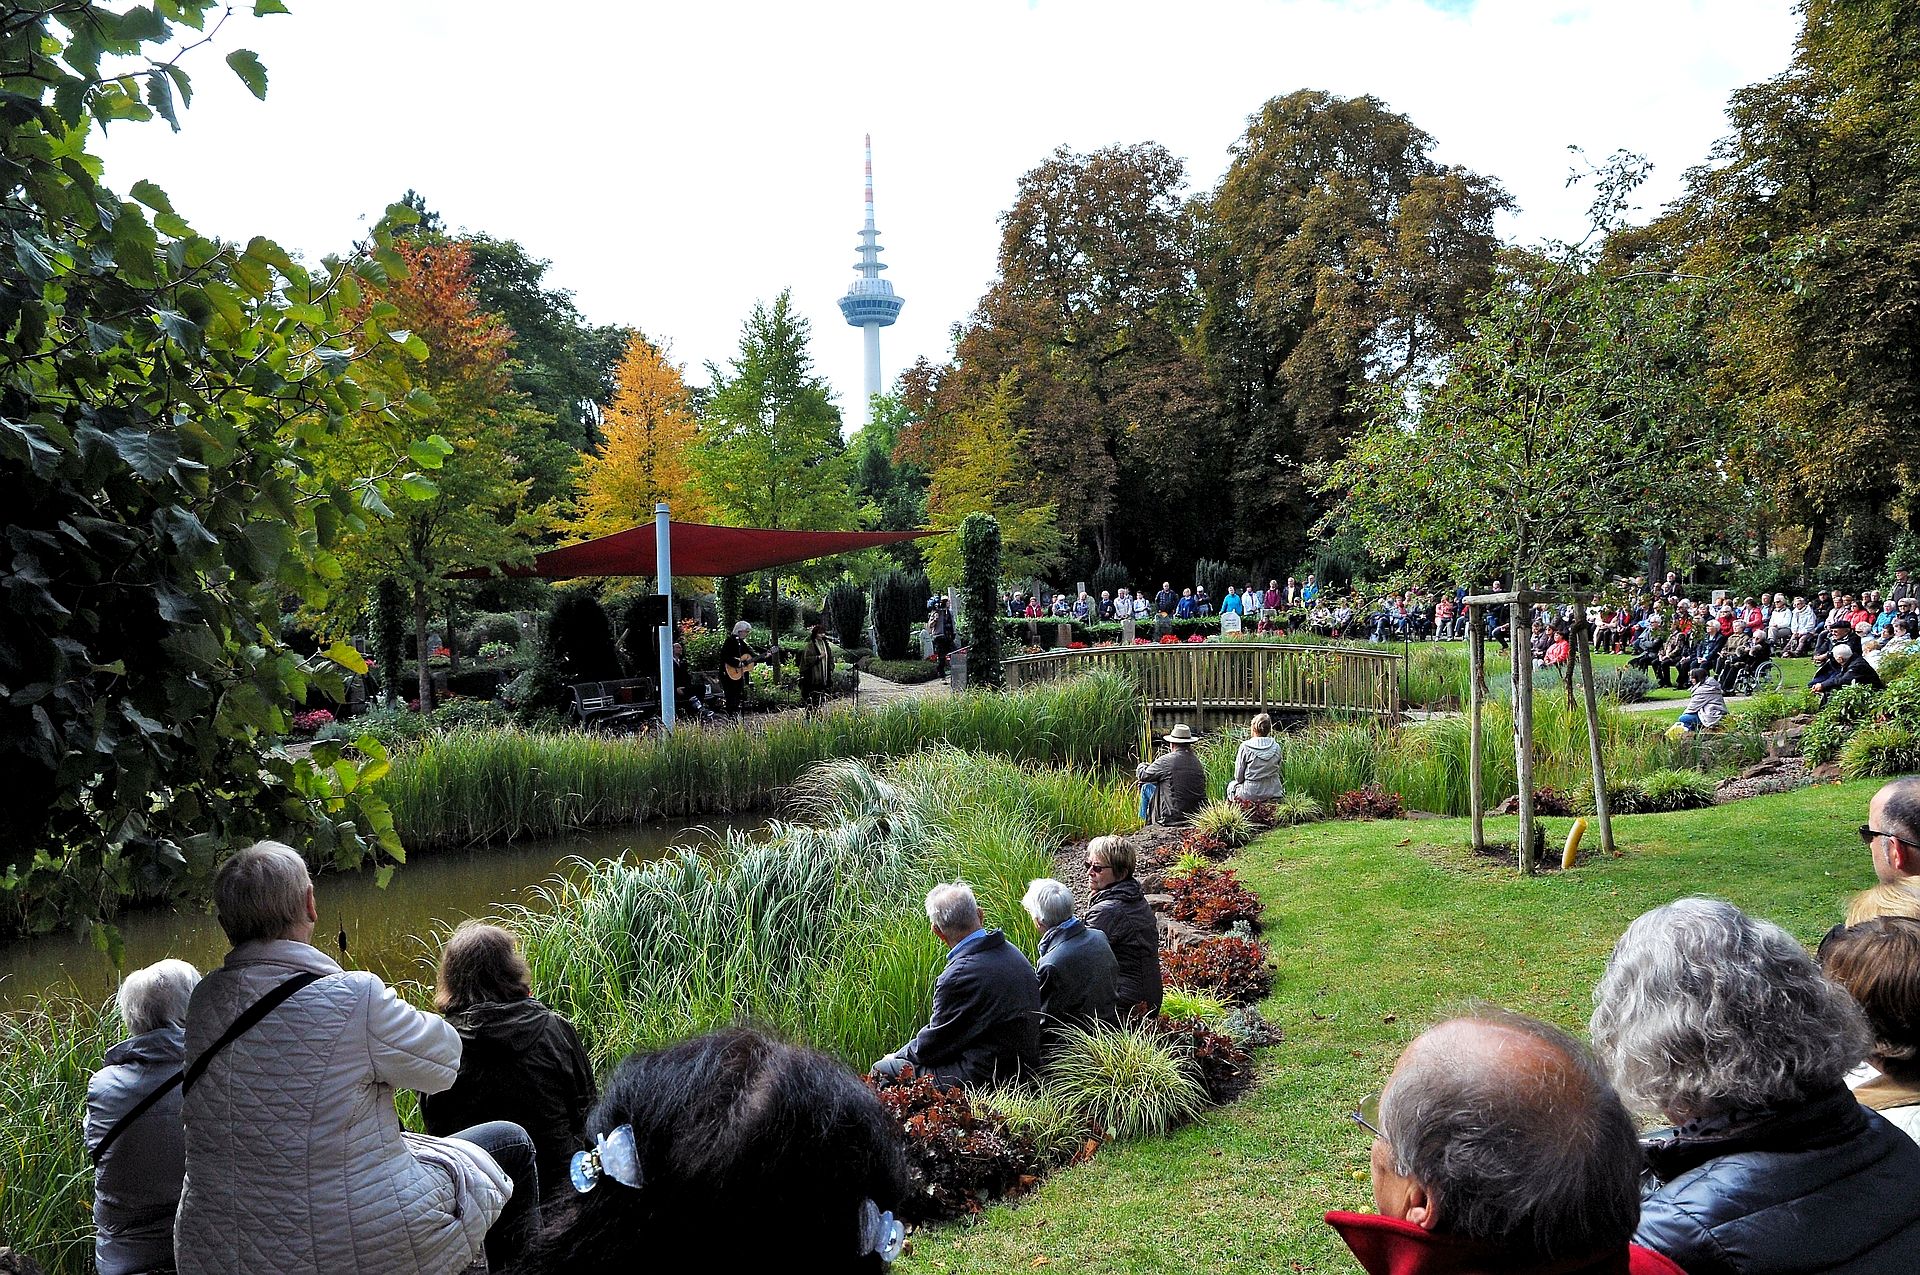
985, 1024
1077, 971
133, 1123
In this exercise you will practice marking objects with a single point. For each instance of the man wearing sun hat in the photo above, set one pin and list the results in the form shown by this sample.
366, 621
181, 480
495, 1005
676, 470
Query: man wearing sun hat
1176, 783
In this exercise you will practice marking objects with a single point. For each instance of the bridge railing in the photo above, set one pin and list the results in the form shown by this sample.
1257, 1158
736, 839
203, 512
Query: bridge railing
1199, 682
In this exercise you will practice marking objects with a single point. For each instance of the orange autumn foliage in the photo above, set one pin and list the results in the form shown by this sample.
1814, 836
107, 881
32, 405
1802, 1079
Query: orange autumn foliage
647, 438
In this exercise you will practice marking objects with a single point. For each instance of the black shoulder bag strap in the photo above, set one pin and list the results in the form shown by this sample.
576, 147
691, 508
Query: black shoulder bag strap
238, 1028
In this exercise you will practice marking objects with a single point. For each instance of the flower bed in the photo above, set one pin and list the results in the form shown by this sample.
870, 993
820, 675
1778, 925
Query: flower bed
1233, 969
1213, 898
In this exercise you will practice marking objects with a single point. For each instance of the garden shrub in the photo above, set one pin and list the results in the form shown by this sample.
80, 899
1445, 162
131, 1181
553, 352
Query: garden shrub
393, 728
1128, 1080
1110, 577
960, 1154
1230, 821
1370, 802
1233, 969
1213, 898
899, 601
1878, 749
1245, 1027
1660, 791
314, 719
389, 634
1218, 577
845, 607
906, 672
980, 589
1899, 666
1220, 1064
456, 712
489, 626
474, 683
1203, 845
1845, 710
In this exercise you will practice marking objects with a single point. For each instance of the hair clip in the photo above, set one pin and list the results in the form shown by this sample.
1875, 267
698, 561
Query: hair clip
616, 1157
880, 1233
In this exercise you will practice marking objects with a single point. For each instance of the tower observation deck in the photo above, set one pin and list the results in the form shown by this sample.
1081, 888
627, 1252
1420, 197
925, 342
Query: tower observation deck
870, 303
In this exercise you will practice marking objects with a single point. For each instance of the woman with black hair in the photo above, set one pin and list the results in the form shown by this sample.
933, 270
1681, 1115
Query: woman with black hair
733, 1152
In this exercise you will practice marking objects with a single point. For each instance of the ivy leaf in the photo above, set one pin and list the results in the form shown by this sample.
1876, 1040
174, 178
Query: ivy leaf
246, 65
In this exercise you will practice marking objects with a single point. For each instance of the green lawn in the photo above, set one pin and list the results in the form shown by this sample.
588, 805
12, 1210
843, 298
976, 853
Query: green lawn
1377, 929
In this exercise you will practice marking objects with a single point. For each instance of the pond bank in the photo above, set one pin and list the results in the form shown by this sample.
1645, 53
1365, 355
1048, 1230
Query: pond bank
388, 930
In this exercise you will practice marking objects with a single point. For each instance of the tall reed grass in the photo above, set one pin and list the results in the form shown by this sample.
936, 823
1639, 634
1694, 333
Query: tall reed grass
47, 1051
816, 931
1426, 763
501, 784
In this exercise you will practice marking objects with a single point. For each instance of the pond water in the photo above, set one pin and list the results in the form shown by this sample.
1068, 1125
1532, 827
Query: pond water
388, 931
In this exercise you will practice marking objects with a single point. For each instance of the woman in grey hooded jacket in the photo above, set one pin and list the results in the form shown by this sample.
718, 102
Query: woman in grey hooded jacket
1257, 774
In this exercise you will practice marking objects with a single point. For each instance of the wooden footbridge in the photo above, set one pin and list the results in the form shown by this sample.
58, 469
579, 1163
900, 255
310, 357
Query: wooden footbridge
1221, 683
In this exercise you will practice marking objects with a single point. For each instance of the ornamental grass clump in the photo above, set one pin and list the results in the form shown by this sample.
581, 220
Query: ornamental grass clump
1127, 1080
1880, 748
1056, 1132
1184, 1002
1229, 821
1661, 791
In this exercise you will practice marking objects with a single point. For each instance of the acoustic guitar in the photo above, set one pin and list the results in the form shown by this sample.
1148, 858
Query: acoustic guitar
737, 668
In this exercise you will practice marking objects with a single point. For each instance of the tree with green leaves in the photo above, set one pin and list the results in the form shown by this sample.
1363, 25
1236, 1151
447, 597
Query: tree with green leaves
166, 402
1575, 419
475, 511
892, 489
771, 453
977, 465
1340, 257
1093, 308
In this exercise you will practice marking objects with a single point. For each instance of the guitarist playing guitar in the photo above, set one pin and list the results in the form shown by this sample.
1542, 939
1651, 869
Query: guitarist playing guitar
736, 660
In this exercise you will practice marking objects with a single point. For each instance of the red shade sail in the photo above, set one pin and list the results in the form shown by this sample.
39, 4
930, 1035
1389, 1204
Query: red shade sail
698, 550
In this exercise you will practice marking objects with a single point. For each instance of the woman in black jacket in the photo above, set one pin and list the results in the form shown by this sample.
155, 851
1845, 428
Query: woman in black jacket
519, 1060
1121, 913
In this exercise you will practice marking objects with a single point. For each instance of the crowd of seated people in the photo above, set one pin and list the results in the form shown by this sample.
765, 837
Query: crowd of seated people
1745, 1108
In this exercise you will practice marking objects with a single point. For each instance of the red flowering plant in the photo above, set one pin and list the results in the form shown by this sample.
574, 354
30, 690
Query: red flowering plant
441, 652
1140, 641
309, 722
960, 1156
1170, 640
1076, 646
1235, 970
1197, 637
1213, 898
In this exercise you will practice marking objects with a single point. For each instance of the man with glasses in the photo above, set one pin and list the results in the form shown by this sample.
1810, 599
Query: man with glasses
1498, 1145
1892, 832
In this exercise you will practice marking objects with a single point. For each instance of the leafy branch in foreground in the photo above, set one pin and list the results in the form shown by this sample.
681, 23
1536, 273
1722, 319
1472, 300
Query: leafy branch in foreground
165, 400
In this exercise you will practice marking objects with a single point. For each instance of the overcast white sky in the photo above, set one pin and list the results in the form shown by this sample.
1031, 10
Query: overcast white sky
676, 163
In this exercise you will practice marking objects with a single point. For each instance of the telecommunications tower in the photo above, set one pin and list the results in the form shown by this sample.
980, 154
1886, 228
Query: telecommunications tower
870, 303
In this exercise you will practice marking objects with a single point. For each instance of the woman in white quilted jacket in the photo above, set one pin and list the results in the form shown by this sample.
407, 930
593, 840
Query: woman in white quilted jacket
296, 1162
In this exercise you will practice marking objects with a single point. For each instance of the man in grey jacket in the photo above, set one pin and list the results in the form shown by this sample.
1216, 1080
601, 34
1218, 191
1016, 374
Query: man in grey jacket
985, 1024
296, 1163
1078, 973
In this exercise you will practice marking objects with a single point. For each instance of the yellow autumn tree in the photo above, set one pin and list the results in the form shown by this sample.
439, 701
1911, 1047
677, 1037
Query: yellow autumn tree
647, 437
979, 465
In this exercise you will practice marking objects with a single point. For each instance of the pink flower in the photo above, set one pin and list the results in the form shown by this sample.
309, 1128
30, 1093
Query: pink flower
1198, 637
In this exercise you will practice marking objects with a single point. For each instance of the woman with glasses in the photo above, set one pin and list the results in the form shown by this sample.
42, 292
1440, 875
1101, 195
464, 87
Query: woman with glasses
1120, 911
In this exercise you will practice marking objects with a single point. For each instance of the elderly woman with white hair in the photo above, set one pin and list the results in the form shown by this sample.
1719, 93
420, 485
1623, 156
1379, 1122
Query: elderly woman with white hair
133, 1123
1077, 970
1723, 1025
